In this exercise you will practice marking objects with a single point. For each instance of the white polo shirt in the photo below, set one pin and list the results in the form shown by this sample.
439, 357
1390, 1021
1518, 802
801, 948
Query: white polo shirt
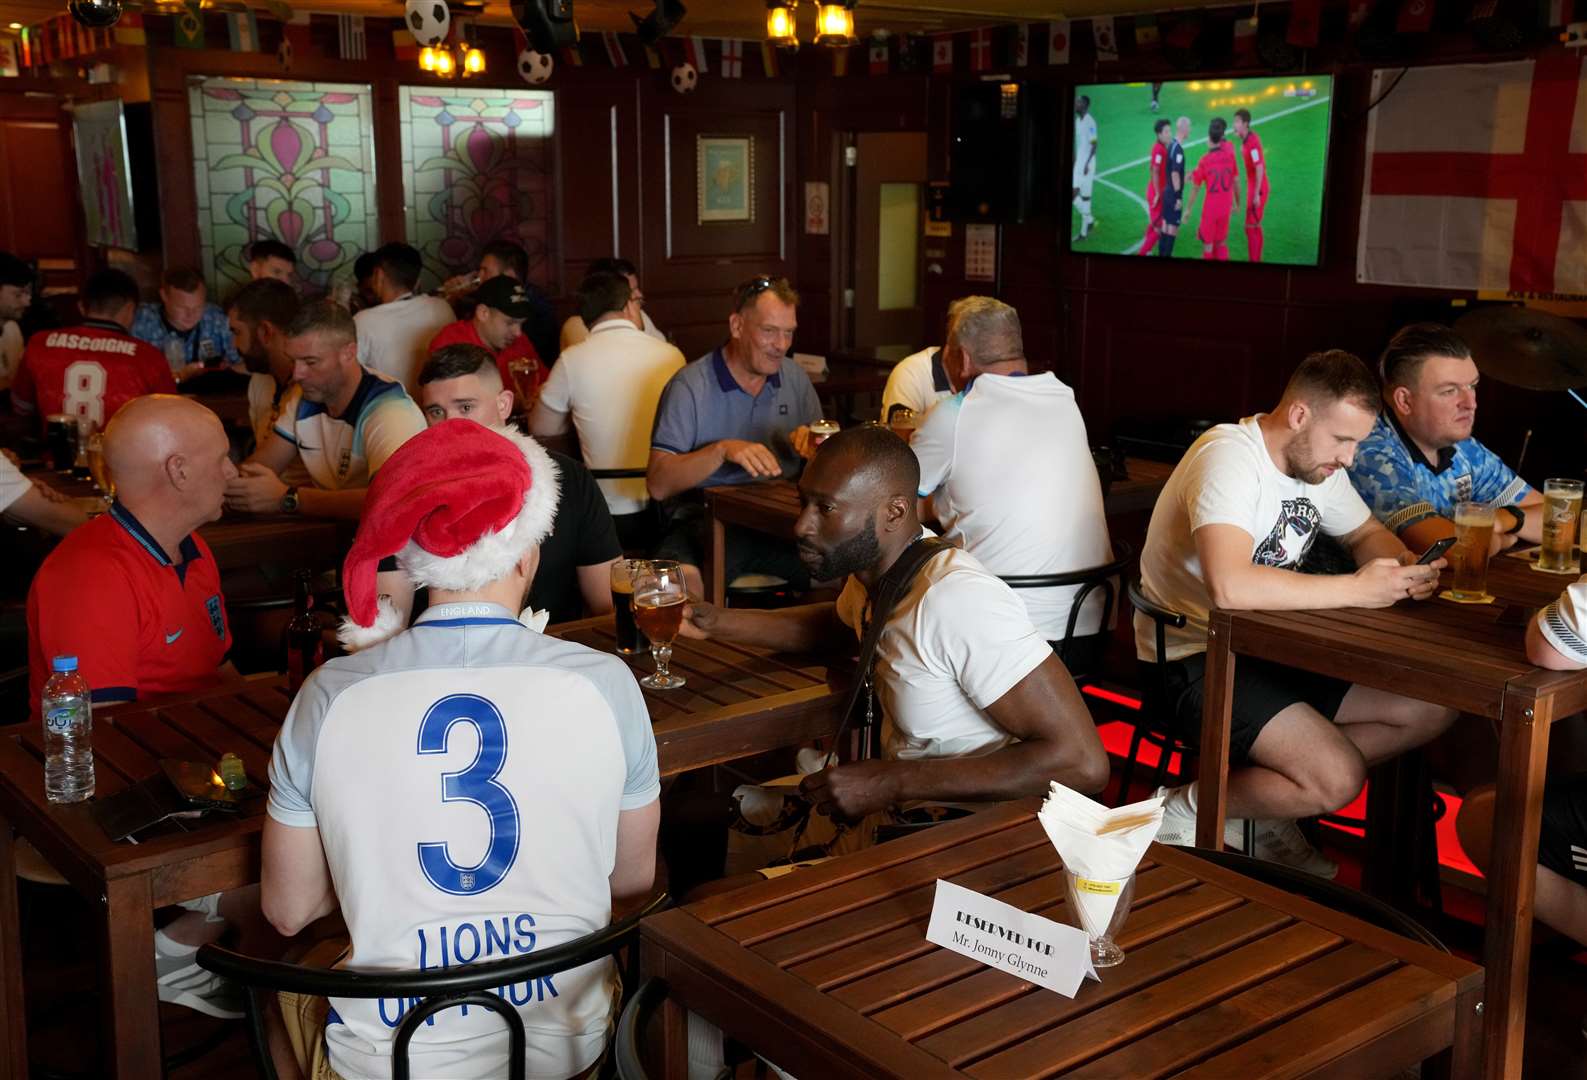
916, 382
956, 642
610, 384
1227, 477
1012, 479
394, 337
343, 452
466, 778
574, 330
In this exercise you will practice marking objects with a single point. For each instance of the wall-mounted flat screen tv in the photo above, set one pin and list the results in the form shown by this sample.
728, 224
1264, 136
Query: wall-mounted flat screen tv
1217, 169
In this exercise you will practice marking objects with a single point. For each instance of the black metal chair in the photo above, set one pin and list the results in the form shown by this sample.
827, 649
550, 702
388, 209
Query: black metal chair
642, 532
437, 991
1157, 701
1104, 577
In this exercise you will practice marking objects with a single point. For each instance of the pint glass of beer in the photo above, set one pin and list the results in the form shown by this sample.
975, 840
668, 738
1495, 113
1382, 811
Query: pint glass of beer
629, 640
659, 596
1469, 556
1561, 513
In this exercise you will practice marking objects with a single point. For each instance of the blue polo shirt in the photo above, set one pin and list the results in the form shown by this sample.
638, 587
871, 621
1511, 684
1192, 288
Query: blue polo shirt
703, 404
1402, 487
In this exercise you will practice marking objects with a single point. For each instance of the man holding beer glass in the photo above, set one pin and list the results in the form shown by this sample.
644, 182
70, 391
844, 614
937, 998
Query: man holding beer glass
1420, 460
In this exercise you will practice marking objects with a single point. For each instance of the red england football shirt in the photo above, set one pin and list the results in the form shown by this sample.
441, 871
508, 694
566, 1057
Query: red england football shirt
90, 370
1251, 152
462, 332
1159, 173
138, 623
1216, 170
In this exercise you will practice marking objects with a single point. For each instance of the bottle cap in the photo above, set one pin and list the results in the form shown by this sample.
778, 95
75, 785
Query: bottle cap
64, 663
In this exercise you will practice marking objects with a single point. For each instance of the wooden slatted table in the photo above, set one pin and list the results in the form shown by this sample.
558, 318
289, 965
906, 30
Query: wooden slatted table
738, 702
1457, 655
828, 974
773, 507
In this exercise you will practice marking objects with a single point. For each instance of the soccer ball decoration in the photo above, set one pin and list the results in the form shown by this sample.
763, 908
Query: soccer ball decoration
95, 14
685, 78
428, 20
286, 54
534, 67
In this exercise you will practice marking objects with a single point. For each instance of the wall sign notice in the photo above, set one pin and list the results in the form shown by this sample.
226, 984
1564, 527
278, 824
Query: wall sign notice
980, 253
1002, 936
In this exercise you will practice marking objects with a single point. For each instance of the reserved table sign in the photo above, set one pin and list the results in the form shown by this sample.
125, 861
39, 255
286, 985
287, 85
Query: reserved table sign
1000, 935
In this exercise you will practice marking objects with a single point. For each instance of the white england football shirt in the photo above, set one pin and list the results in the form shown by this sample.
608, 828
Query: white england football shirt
343, 452
466, 778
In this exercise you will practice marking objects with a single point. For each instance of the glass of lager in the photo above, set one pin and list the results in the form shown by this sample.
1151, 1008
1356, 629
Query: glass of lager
1469, 556
629, 640
1561, 512
659, 596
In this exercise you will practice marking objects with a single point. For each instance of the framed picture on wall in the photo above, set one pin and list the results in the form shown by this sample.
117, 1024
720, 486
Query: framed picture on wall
726, 178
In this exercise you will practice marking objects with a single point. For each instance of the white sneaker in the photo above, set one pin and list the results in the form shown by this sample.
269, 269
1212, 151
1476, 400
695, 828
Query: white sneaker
182, 982
1179, 822
1280, 840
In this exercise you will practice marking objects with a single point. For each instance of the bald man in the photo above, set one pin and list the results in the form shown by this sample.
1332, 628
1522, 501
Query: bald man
977, 706
135, 594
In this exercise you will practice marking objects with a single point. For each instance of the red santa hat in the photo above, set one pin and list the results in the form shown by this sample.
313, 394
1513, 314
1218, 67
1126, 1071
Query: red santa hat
458, 505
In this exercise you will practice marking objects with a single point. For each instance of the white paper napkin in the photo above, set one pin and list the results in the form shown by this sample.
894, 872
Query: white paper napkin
1100, 845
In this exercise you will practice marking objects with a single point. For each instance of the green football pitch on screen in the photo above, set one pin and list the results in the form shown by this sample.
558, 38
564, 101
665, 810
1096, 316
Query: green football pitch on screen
1289, 115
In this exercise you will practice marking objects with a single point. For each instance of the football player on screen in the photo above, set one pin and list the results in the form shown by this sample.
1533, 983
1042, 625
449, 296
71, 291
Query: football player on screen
1255, 157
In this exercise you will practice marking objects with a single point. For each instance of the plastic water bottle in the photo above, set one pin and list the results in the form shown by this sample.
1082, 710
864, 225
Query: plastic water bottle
68, 734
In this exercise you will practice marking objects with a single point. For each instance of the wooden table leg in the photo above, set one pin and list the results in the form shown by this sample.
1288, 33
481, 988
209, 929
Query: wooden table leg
13, 1006
715, 580
1512, 878
1217, 705
674, 1040
131, 1008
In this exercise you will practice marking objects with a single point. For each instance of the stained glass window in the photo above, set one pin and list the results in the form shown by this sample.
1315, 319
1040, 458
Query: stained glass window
476, 167
292, 160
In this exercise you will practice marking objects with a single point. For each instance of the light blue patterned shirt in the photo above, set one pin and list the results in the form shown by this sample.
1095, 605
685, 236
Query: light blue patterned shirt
1402, 487
209, 342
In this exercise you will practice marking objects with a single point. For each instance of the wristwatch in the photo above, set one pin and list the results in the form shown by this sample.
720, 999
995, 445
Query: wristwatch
289, 501
1520, 520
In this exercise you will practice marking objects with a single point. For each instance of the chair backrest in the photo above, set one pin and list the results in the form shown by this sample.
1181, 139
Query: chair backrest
437, 990
1162, 618
619, 474
626, 1052
1104, 577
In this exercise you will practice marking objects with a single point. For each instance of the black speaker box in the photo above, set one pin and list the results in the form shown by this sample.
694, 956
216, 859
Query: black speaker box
1000, 162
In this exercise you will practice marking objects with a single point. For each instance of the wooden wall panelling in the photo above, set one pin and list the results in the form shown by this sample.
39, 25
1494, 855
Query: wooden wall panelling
40, 212
602, 187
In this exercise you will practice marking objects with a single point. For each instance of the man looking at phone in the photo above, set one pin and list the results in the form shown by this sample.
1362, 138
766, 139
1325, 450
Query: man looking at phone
1234, 521
1421, 459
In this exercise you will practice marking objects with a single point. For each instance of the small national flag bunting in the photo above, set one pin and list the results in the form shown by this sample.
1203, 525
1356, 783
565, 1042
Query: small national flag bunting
942, 54
242, 29
1359, 10
1416, 17
732, 58
350, 35
614, 50
1245, 38
878, 56
980, 49
1146, 32
1058, 42
652, 58
295, 31
1305, 23
1021, 50
406, 47
768, 59
694, 52
571, 56
840, 60
129, 29
1102, 34
189, 26
1559, 12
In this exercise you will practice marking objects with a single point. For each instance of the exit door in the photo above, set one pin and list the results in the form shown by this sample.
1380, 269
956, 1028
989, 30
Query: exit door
888, 191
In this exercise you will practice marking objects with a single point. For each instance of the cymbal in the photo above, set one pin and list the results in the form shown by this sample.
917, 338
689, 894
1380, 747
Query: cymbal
1526, 348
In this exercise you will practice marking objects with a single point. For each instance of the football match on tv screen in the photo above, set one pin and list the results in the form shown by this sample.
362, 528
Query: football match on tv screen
1226, 170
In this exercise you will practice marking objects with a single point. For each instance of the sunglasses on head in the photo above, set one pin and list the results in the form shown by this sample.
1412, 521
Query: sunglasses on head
753, 288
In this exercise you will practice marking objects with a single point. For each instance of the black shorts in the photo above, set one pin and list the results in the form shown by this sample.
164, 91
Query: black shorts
1262, 690
687, 540
1562, 841
1173, 209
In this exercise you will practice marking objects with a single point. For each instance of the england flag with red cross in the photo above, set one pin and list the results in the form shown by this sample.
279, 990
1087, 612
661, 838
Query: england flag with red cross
1476, 177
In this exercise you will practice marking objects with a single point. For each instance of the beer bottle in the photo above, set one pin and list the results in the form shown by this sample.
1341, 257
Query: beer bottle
305, 646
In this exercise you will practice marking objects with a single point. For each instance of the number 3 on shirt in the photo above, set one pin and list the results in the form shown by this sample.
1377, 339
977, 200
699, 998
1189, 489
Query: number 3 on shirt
476, 784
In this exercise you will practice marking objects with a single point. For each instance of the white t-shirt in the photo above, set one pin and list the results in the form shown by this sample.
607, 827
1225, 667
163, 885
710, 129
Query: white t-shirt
11, 350
343, 452
466, 779
394, 337
1227, 477
574, 330
916, 382
956, 643
610, 383
1085, 135
13, 485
